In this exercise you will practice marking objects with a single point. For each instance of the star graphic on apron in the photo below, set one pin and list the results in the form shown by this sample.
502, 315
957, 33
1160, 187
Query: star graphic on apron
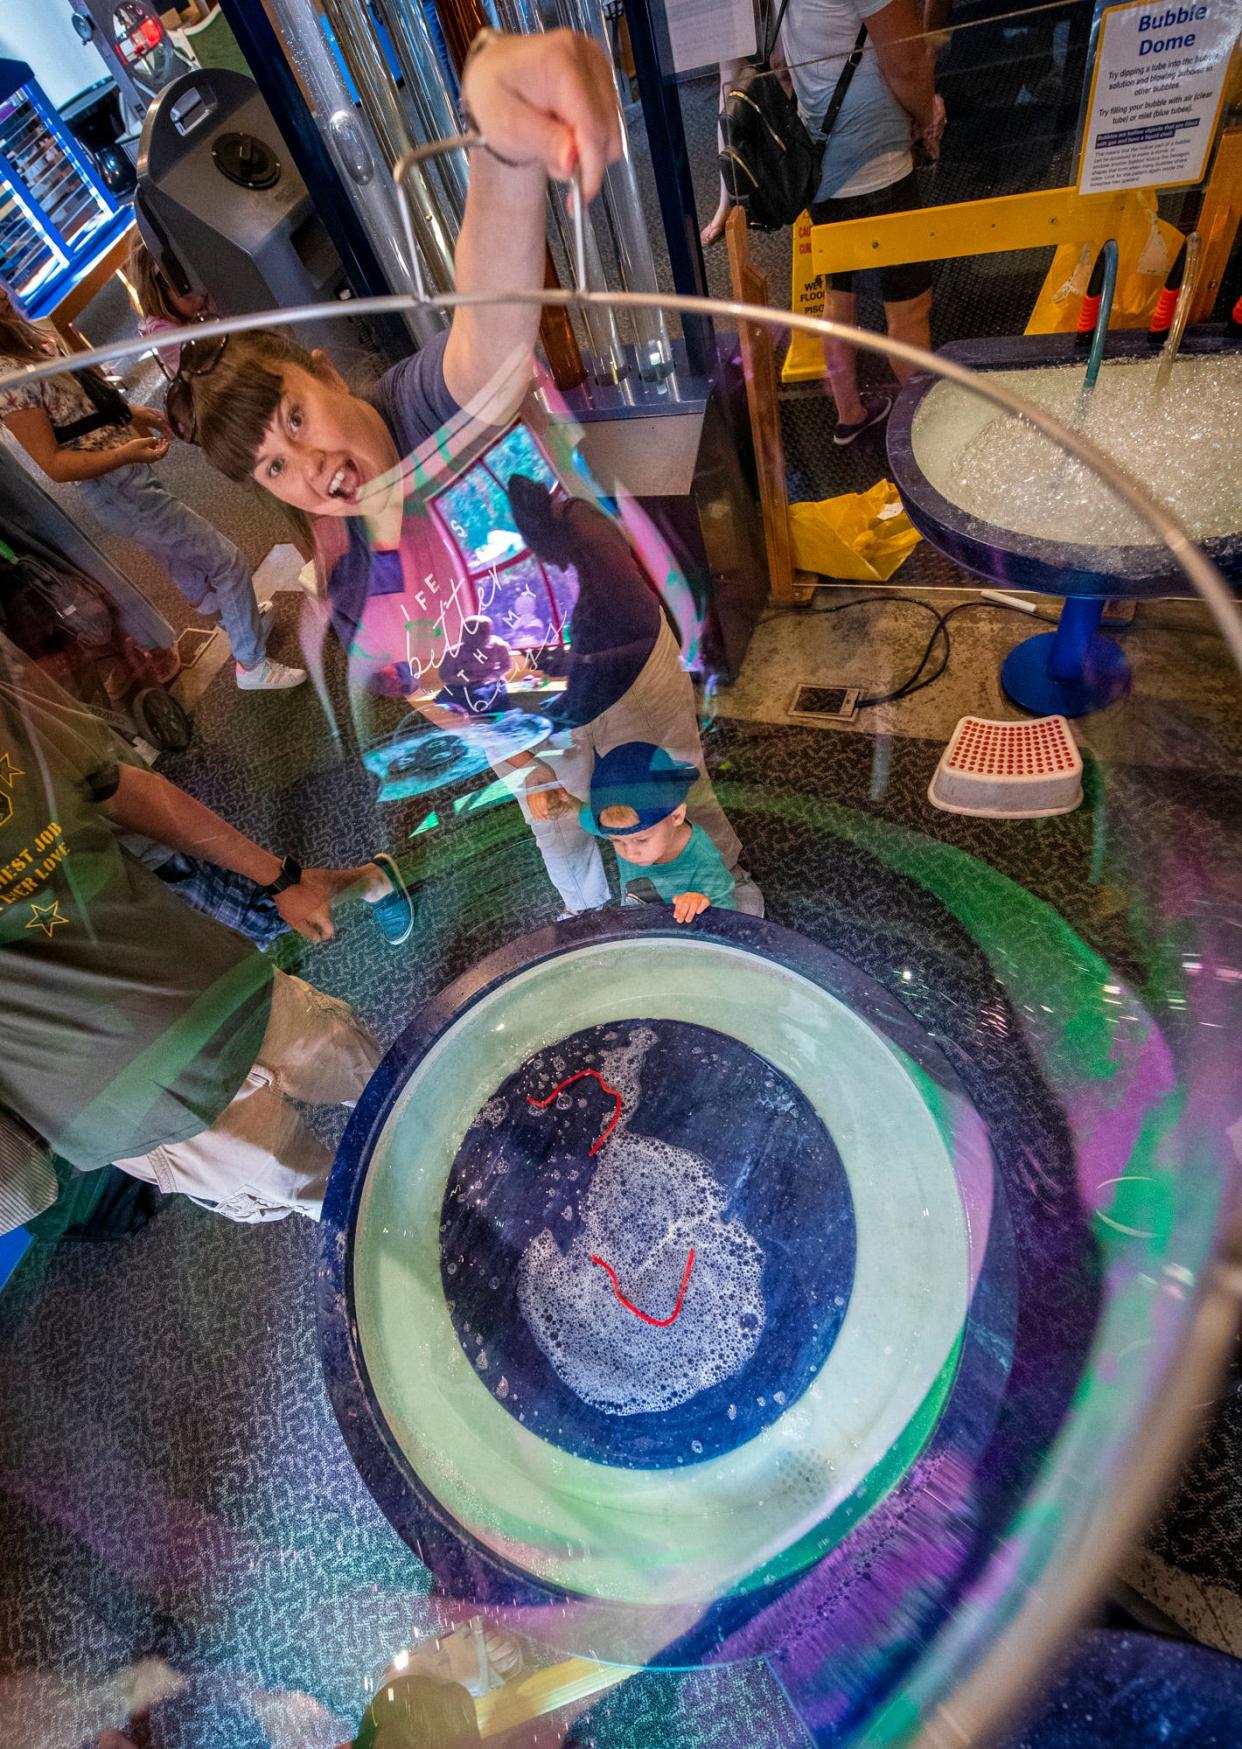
46, 917
8, 771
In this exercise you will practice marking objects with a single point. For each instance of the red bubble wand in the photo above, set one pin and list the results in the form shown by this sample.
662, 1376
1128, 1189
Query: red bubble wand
660, 1323
609, 1127
597, 1144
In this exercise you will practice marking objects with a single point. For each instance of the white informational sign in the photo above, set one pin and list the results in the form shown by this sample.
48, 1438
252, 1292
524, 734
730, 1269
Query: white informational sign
702, 32
1156, 93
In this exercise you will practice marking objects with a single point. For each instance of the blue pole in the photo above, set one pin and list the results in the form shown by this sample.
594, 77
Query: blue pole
1099, 333
1072, 640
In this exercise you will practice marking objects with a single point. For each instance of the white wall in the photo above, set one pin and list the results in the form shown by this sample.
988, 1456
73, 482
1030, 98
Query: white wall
41, 33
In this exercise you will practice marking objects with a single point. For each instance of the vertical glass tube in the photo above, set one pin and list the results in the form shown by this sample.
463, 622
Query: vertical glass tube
460, 21
625, 214
427, 96
356, 151
609, 363
351, 25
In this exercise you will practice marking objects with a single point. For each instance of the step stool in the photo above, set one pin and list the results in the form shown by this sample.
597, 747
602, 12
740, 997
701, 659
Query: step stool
1008, 771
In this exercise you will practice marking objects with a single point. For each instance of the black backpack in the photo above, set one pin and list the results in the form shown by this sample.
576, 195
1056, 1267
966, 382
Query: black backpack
768, 161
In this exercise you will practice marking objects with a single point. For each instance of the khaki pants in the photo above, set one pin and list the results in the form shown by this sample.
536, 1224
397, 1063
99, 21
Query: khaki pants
658, 708
259, 1161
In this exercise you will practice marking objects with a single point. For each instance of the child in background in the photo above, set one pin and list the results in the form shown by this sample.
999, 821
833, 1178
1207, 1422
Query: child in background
80, 430
162, 307
638, 802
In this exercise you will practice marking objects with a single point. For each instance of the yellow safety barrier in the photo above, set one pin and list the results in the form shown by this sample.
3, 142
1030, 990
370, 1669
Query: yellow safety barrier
1061, 216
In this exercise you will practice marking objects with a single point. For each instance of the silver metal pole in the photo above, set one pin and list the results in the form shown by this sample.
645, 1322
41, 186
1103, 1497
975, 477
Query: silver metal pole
607, 362
427, 96
356, 152
381, 103
624, 209
1203, 576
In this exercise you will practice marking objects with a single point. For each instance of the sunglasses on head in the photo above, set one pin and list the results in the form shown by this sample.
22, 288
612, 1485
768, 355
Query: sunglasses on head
198, 359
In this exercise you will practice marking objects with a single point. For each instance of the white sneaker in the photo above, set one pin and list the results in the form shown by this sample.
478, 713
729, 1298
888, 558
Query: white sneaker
269, 675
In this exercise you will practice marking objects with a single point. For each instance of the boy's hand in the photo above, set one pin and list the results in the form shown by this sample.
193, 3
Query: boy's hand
688, 906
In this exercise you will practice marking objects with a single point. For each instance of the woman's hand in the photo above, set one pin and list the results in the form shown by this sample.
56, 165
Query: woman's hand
149, 421
549, 99
688, 906
141, 449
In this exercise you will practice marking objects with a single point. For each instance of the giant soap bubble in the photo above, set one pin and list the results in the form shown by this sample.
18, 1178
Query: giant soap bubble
947, 1131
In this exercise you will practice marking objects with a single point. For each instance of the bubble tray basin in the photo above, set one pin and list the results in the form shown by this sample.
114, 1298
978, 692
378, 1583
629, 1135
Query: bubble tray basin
781, 1114
934, 421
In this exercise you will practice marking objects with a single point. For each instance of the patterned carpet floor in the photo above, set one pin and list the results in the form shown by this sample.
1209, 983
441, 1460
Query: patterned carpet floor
172, 1482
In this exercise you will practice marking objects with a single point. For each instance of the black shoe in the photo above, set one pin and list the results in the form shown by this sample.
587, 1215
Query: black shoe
876, 409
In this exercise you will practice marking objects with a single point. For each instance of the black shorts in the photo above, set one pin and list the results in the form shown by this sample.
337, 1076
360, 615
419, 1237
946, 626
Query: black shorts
908, 279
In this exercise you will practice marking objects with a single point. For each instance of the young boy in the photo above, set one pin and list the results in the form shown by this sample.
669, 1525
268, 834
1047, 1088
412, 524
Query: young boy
638, 802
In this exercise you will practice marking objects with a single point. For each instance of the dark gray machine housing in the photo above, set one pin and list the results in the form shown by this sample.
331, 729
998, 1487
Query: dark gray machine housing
220, 204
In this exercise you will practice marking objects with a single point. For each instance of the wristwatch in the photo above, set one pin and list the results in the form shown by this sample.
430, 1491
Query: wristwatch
289, 876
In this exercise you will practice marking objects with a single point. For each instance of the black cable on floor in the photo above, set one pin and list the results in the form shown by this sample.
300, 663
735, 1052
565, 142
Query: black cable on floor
844, 607
913, 682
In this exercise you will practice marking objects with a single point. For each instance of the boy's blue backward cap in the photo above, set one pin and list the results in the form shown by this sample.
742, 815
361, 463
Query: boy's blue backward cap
640, 776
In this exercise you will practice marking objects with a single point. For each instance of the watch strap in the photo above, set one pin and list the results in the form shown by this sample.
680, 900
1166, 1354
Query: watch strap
289, 876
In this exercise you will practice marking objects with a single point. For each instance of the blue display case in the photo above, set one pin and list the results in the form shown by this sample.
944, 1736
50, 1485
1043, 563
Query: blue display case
55, 214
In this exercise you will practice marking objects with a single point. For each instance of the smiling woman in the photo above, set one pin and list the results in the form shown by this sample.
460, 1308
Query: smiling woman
260, 405
384, 476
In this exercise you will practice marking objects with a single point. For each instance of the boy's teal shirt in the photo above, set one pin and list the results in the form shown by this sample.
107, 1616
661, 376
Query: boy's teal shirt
699, 869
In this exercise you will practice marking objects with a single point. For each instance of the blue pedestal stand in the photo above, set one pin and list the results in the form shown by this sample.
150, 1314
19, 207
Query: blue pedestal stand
1070, 671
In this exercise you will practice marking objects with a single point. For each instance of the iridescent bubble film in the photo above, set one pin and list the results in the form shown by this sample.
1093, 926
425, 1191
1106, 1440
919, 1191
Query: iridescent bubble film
675, 1324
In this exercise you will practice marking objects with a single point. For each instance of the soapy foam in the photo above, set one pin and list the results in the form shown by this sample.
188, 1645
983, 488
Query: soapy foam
648, 1204
1181, 444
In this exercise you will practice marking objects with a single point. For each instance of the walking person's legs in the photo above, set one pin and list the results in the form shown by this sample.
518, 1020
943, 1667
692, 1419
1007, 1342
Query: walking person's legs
206, 568
906, 290
909, 319
841, 359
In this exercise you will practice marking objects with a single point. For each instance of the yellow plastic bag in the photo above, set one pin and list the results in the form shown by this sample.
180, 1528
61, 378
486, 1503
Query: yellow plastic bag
860, 537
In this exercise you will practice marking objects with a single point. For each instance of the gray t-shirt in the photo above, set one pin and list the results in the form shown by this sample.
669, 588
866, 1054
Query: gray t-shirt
817, 37
129, 1018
